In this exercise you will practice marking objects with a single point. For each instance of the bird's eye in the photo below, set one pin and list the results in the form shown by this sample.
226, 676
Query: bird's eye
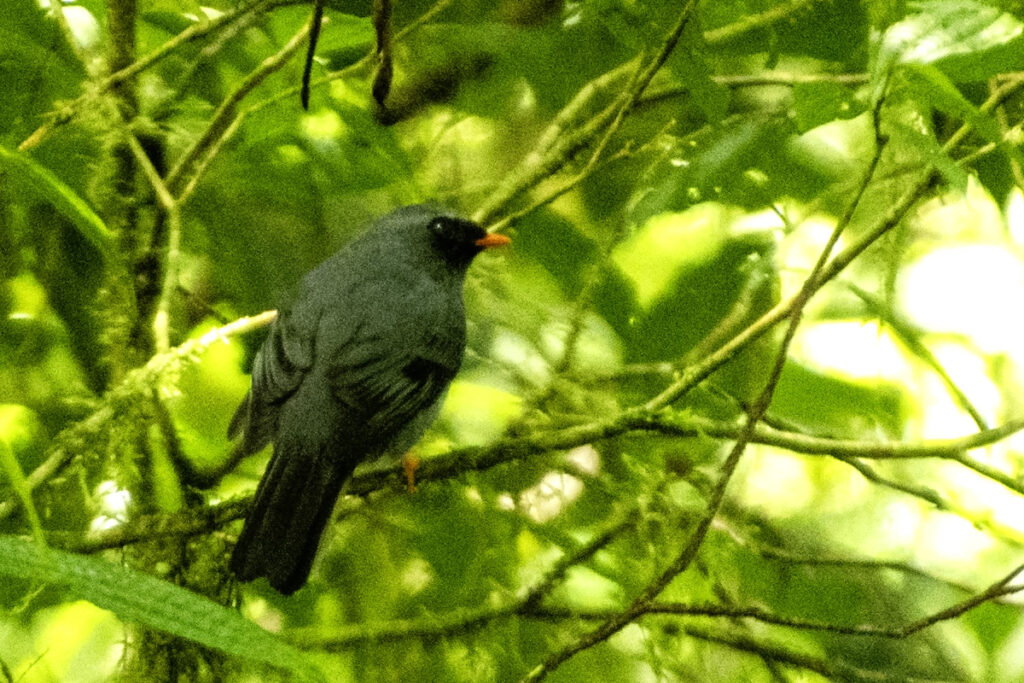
439, 226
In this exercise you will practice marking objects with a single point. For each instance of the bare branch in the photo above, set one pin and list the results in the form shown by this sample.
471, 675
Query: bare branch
683, 560
610, 117
756, 22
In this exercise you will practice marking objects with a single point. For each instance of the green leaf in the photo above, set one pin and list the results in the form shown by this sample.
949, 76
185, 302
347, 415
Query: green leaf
345, 34
37, 67
837, 407
818, 103
134, 596
931, 85
40, 181
693, 70
680, 240
686, 269
931, 151
968, 41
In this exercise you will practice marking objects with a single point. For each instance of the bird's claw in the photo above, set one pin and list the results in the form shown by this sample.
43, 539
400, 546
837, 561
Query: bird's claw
410, 462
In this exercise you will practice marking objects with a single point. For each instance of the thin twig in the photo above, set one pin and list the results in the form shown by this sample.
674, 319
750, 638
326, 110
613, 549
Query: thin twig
831, 668
433, 627
996, 590
756, 22
572, 112
568, 145
68, 112
161, 319
307, 67
907, 333
683, 560
1007, 132
359, 65
461, 621
225, 112
199, 170
67, 444
698, 372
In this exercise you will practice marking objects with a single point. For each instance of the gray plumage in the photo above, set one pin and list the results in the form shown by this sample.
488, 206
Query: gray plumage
354, 368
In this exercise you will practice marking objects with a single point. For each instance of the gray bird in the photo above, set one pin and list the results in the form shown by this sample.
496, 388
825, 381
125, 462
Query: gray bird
355, 367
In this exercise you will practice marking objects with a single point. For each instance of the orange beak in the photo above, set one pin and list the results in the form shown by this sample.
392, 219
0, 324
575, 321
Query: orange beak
492, 240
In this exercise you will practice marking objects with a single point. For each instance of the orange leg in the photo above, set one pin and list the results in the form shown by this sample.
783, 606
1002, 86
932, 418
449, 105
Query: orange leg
410, 461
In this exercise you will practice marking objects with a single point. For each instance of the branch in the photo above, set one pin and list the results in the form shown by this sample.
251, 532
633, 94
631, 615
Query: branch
1008, 132
139, 382
68, 112
357, 66
473, 458
572, 112
996, 590
910, 335
194, 521
528, 175
461, 621
756, 22
457, 462
560, 141
161, 319
211, 153
683, 560
10, 466
434, 627
225, 113
784, 78
202, 157
831, 668
698, 372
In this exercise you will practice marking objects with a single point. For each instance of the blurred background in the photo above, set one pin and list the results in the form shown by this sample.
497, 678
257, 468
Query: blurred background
641, 245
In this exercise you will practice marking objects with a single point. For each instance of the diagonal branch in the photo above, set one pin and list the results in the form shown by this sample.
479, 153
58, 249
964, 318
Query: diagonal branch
68, 112
161, 320
68, 443
461, 621
225, 113
683, 560
611, 116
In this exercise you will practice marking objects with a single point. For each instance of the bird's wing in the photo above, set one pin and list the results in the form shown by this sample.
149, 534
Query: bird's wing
378, 368
392, 370
278, 369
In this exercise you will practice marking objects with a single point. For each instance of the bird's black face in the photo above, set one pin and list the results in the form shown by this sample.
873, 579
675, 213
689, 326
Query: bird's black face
459, 240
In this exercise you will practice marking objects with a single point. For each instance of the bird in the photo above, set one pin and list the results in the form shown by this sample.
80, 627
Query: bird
355, 367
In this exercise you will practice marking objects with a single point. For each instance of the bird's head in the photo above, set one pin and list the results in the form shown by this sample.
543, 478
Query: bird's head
430, 234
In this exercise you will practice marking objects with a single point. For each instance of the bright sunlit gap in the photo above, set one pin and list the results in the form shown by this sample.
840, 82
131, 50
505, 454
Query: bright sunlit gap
944, 293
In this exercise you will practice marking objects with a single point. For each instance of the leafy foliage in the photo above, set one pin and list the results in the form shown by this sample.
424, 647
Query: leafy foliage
590, 504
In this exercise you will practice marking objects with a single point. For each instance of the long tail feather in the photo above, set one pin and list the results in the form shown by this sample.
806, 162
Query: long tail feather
292, 506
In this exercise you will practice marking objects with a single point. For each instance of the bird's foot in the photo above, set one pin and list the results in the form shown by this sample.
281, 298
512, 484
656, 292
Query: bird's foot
410, 461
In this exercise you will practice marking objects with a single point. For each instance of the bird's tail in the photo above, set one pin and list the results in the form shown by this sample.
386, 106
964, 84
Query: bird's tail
293, 503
